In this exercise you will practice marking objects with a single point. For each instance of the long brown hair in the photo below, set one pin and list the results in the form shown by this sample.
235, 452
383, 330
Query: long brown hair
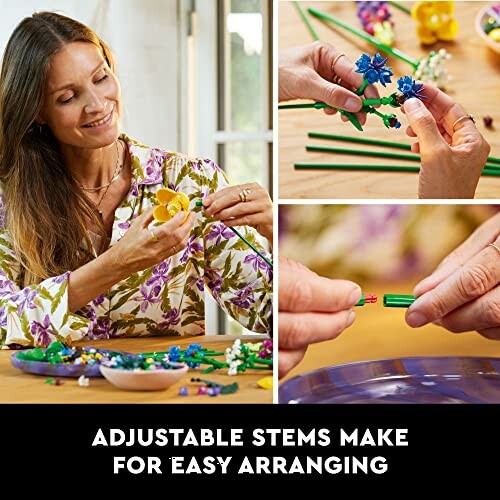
45, 211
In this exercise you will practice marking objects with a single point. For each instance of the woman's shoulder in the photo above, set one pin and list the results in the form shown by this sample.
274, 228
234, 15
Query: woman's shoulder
151, 164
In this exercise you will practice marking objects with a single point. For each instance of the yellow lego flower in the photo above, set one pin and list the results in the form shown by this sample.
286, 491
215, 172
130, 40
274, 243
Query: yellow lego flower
435, 21
170, 203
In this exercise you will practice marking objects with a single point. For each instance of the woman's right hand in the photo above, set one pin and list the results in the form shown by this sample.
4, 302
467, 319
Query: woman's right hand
311, 309
453, 153
137, 250
309, 72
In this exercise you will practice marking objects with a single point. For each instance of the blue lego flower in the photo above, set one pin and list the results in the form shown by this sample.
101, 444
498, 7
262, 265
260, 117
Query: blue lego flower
410, 88
374, 70
174, 353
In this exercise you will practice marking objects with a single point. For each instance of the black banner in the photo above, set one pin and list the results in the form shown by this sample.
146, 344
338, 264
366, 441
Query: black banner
185, 445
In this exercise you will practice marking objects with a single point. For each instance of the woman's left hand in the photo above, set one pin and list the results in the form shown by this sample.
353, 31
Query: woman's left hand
242, 205
463, 294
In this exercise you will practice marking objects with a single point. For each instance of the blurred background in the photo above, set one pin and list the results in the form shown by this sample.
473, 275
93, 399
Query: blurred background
195, 76
385, 249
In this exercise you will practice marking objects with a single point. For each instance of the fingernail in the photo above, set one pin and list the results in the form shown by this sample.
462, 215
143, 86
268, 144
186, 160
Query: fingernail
413, 104
416, 319
355, 296
350, 319
352, 104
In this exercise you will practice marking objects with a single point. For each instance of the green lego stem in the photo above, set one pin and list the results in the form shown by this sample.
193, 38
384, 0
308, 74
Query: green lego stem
363, 87
395, 300
366, 36
401, 7
371, 167
377, 142
489, 169
362, 301
319, 105
316, 105
359, 140
345, 166
199, 203
362, 152
306, 21
374, 102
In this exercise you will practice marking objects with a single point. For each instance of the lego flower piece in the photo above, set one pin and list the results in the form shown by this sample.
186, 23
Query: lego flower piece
170, 203
384, 33
435, 21
410, 88
432, 69
374, 70
375, 18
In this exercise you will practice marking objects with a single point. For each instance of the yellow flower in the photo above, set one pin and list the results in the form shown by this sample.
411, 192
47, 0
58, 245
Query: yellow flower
170, 203
435, 21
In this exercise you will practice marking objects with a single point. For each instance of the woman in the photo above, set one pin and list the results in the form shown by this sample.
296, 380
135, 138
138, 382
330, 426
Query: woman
79, 252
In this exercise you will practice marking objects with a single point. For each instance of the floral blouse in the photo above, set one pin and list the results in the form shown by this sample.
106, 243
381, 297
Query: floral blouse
167, 299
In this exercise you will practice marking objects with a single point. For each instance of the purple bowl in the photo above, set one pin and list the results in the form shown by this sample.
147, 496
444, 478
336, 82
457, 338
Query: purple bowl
58, 369
399, 381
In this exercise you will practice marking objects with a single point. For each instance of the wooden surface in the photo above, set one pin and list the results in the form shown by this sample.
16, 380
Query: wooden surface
476, 85
382, 333
19, 387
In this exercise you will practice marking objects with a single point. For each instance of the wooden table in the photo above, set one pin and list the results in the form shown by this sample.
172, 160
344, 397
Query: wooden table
19, 387
476, 85
381, 333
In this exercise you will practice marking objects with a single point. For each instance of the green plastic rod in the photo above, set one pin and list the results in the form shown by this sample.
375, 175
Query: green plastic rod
395, 300
384, 168
315, 105
365, 36
319, 105
363, 152
374, 142
345, 166
306, 21
199, 203
358, 140
401, 7
488, 168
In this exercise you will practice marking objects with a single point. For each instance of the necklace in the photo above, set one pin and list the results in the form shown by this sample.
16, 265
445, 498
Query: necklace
116, 175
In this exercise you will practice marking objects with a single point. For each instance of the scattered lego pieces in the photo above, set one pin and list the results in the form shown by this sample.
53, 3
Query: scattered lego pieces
54, 381
488, 121
183, 391
265, 383
83, 381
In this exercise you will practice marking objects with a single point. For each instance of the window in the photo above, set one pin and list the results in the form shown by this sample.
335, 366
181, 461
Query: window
228, 100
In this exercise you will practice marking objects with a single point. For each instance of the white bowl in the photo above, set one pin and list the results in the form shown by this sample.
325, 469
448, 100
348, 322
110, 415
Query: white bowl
480, 20
144, 380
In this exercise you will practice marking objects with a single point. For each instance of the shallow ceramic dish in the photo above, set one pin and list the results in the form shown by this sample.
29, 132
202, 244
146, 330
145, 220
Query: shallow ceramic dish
56, 369
480, 21
144, 380
399, 381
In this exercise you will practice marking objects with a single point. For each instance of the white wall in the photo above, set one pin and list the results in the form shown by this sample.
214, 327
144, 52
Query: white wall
143, 34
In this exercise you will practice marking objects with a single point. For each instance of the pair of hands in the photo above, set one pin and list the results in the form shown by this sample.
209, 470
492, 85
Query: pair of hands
461, 295
452, 157
137, 250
